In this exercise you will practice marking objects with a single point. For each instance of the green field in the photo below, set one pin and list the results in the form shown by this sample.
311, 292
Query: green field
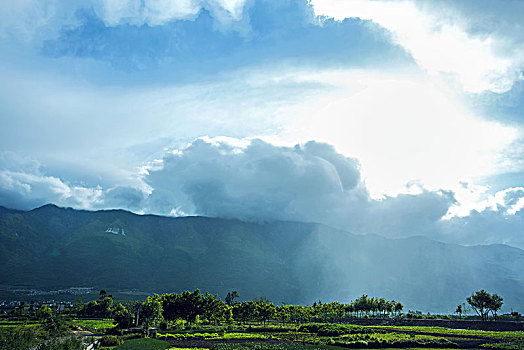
309, 336
143, 344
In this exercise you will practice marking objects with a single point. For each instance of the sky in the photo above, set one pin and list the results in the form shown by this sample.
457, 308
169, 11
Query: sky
396, 118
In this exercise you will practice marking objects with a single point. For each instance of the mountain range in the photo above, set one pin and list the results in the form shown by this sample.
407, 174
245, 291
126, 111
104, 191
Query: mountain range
51, 247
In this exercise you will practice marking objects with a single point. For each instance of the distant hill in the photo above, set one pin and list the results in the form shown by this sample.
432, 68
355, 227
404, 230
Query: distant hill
51, 247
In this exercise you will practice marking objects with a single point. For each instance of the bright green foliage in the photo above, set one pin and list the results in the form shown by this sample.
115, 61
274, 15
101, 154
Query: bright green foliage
94, 325
122, 316
143, 344
150, 311
377, 306
503, 346
102, 308
283, 313
19, 338
483, 303
110, 340
333, 329
265, 309
186, 305
70, 343
179, 336
51, 322
44, 313
230, 298
215, 310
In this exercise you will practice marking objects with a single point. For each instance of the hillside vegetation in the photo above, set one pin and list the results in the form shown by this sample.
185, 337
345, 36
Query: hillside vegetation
52, 247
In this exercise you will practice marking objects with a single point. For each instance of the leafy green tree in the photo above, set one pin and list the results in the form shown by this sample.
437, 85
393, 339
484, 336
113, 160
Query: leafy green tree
214, 309
44, 312
459, 310
51, 322
265, 309
382, 306
245, 311
398, 308
283, 313
122, 316
483, 302
300, 313
190, 305
150, 311
230, 298
103, 307
495, 304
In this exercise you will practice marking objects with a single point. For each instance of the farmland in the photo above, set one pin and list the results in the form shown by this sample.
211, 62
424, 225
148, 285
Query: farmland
194, 320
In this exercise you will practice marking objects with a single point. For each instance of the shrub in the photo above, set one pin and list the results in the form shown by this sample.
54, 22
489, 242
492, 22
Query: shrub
110, 340
330, 330
71, 343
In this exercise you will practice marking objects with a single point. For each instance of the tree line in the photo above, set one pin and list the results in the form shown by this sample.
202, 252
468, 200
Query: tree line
196, 306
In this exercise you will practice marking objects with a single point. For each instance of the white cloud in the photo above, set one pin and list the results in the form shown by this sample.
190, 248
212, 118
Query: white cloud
403, 128
27, 190
42, 19
439, 41
115, 12
159, 12
25, 185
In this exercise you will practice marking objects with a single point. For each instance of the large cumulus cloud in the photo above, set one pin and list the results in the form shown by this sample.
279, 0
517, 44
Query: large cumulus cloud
255, 180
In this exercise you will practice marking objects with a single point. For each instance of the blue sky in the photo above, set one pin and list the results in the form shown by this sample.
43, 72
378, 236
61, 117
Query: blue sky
389, 117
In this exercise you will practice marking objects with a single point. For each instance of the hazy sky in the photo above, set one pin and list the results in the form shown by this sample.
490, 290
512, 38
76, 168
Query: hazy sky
390, 117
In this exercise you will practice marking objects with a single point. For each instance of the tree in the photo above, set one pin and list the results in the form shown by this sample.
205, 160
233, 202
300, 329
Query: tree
459, 310
214, 309
495, 304
150, 311
483, 302
122, 316
398, 308
230, 298
283, 313
102, 307
265, 309
50, 321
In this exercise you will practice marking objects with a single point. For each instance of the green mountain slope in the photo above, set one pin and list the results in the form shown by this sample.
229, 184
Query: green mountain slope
51, 247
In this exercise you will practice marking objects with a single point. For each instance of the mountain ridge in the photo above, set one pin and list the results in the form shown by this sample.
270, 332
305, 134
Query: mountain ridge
51, 247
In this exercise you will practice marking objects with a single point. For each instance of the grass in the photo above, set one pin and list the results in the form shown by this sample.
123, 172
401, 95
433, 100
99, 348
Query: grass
143, 344
495, 340
258, 346
179, 336
96, 325
335, 336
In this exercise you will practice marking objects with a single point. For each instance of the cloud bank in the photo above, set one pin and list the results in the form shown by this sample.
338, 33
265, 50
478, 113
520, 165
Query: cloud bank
251, 179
